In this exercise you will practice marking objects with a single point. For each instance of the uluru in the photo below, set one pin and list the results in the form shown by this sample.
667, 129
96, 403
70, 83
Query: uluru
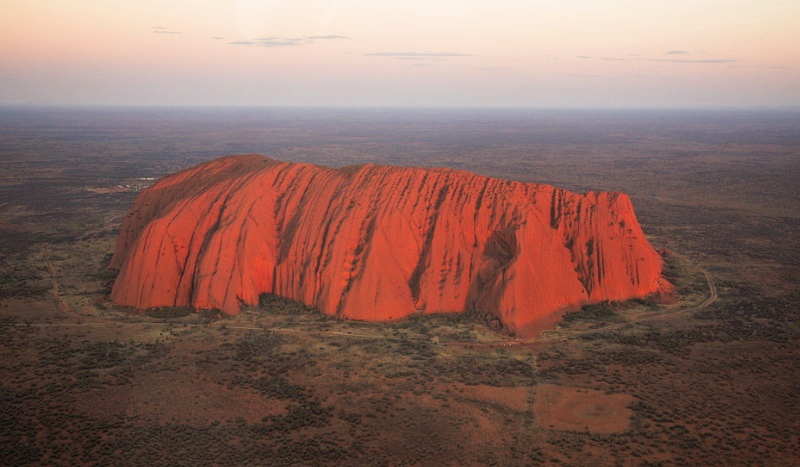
372, 242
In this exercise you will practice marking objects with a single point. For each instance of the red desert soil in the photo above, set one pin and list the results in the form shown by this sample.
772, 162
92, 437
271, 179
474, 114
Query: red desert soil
379, 243
178, 396
515, 398
573, 409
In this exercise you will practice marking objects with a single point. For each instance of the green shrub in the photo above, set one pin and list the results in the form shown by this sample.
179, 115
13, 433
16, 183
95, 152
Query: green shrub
168, 312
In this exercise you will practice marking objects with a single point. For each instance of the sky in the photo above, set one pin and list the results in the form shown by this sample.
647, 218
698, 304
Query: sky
500, 53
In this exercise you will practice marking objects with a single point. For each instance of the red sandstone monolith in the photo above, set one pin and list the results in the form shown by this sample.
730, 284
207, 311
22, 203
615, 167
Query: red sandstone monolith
379, 243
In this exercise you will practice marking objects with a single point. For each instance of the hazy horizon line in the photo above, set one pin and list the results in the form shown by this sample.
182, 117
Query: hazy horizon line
393, 107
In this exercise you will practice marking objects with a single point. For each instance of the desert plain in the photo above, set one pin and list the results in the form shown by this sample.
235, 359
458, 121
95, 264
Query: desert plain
711, 379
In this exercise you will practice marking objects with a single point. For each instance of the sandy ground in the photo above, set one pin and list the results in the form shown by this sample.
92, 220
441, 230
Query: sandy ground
576, 409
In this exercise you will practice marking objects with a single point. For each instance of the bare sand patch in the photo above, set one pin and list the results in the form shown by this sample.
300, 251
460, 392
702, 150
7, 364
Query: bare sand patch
28, 309
576, 409
180, 397
515, 398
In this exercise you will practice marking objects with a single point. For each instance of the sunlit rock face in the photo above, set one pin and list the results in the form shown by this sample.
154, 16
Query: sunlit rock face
379, 243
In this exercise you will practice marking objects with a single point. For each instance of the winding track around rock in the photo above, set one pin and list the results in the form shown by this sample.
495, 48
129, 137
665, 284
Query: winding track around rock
712, 297
504, 341
60, 303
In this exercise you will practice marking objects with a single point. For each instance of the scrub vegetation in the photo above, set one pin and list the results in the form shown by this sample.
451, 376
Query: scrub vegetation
700, 382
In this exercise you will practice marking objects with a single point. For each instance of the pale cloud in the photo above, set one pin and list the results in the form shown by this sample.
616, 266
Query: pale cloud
274, 41
163, 30
665, 60
691, 60
493, 68
418, 55
604, 59
710, 60
279, 41
421, 59
328, 37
